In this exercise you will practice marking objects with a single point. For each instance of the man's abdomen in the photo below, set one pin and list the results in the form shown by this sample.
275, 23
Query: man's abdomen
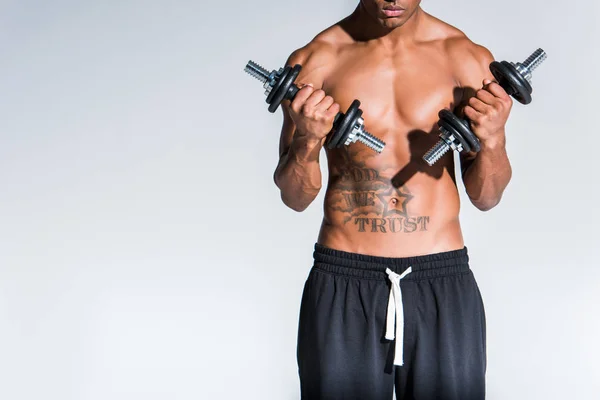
373, 211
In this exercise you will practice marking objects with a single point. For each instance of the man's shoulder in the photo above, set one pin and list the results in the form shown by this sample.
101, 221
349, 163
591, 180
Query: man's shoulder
320, 53
455, 42
464, 55
461, 49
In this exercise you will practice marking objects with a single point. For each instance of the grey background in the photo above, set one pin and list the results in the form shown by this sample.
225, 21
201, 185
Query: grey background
144, 251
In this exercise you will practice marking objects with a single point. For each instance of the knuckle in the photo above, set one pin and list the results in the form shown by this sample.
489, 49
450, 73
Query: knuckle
296, 106
301, 100
318, 93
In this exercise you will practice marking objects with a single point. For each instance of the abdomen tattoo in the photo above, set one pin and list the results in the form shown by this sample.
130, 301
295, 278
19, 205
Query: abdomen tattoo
371, 203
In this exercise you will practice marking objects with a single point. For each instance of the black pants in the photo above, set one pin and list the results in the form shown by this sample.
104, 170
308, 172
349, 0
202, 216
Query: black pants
342, 349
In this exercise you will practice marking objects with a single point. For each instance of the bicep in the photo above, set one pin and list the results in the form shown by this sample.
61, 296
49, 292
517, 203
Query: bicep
472, 67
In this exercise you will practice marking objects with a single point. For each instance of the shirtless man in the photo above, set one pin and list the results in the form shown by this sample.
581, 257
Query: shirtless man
391, 299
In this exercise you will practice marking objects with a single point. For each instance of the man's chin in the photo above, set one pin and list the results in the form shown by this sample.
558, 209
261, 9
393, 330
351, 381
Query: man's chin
391, 23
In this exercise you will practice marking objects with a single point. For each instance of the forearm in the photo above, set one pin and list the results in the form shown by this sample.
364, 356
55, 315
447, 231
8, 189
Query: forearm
298, 174
487, 176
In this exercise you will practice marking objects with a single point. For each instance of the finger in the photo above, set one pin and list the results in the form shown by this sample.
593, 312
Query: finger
301, 85
472, 114
497, 91
332, 111
478, 105
314, 99
301, 97
486, 97
324, 104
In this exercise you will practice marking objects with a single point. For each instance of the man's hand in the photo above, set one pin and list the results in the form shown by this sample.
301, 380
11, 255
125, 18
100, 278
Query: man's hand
488, 111
313, 113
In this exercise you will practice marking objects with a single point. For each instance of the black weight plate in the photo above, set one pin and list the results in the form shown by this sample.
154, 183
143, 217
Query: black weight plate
341, 125
461, 129
275, 88
470, 136
512, 81
292, 89
446, 125
344, 126
352, 115
334, 136
283, 88
292, 92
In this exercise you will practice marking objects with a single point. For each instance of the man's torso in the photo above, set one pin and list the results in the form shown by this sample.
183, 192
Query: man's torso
392, 204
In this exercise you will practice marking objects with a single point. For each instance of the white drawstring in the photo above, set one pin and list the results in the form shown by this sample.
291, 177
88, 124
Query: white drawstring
395, 312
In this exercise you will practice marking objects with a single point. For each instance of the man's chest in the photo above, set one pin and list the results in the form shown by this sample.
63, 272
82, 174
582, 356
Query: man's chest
397, 94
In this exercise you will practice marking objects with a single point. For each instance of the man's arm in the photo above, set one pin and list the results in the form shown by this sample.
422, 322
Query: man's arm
486, 173
298, 173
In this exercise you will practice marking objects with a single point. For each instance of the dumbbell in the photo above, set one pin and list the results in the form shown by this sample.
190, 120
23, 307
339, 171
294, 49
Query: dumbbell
455, 132
347, 128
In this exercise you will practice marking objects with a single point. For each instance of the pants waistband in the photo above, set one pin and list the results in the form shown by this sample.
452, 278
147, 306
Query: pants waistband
374, 267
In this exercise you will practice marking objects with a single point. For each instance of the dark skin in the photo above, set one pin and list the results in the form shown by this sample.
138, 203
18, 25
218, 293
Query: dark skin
404, 66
